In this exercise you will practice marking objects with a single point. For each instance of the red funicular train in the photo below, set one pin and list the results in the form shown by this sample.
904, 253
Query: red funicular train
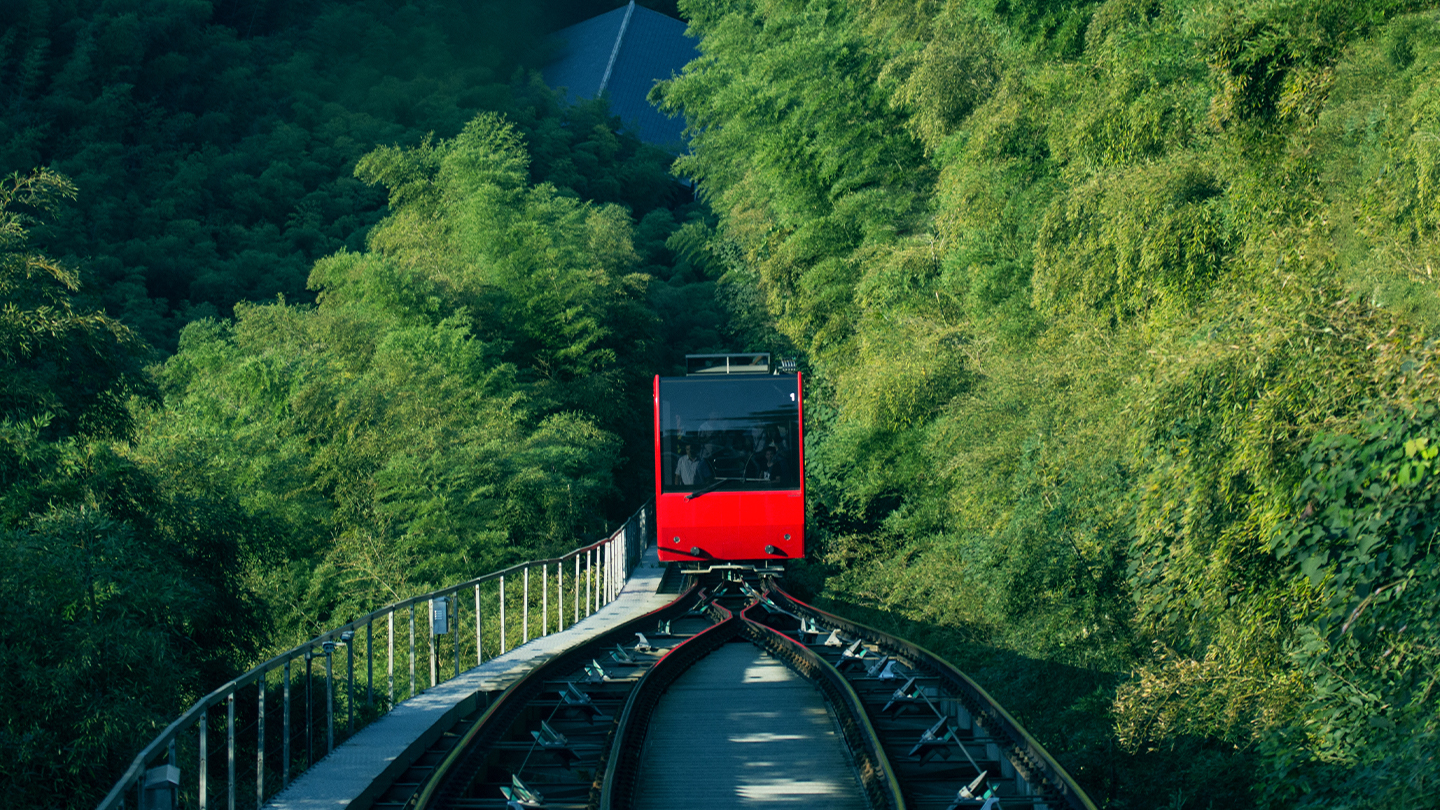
730, 462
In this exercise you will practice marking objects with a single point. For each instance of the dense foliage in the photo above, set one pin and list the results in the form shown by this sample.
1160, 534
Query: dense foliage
1119, 315
413, 348
452, 402
1116, 313
121, 580
213, 139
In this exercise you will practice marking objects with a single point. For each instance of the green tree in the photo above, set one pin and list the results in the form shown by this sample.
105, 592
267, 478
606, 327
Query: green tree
63, 366
1097, 288
443, 410
123, 595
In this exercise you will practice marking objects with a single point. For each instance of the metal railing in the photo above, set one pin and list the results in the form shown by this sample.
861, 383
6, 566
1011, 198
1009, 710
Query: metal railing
154, 778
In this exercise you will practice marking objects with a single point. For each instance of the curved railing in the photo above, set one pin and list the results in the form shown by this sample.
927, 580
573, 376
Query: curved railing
156, 775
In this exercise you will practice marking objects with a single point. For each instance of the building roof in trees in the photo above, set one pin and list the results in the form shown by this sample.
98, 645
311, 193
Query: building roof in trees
623, 53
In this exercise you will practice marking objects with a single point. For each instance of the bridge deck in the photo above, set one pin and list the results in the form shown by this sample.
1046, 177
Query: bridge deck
386, 747
740, 730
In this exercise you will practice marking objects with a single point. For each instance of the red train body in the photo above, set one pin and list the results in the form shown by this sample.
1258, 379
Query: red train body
730, 463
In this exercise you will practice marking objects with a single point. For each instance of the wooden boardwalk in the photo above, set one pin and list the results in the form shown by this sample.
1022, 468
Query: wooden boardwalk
740, 730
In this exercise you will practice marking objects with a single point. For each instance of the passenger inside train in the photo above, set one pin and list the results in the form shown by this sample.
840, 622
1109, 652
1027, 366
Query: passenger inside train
691, 470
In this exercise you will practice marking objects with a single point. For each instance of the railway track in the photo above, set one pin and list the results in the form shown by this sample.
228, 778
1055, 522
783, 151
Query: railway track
622, 722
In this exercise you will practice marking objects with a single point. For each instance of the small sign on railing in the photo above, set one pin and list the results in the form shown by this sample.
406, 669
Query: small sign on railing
440, 616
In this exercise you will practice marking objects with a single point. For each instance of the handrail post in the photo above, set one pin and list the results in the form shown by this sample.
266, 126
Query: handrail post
525, 609
329, 703
260, 745
204, 758
309, 709
285, 746
479, 646
577, 590
431, 636
390, 655
350, 685
589, 574
502, 615
455, 631
559, 596
412, 652
544, 600
230, 749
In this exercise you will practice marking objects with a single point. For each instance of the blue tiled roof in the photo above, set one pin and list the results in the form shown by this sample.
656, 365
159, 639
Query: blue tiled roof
584, 53
653, 47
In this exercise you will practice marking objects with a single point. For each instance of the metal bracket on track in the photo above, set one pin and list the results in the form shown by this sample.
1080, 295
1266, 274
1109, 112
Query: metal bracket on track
903, 699
520, 797
854, 654
966, 798
575, 700
555, 743
934, 741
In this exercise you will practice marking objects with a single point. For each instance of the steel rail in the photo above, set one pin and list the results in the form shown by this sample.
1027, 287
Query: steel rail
459, 768
1029, 757
877, 777
622, 768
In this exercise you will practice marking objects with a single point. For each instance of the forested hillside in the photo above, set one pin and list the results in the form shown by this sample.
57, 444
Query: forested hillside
312, 306
212, 140
1120, 318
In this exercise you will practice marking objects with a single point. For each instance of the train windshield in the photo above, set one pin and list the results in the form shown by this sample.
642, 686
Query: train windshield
729, 432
